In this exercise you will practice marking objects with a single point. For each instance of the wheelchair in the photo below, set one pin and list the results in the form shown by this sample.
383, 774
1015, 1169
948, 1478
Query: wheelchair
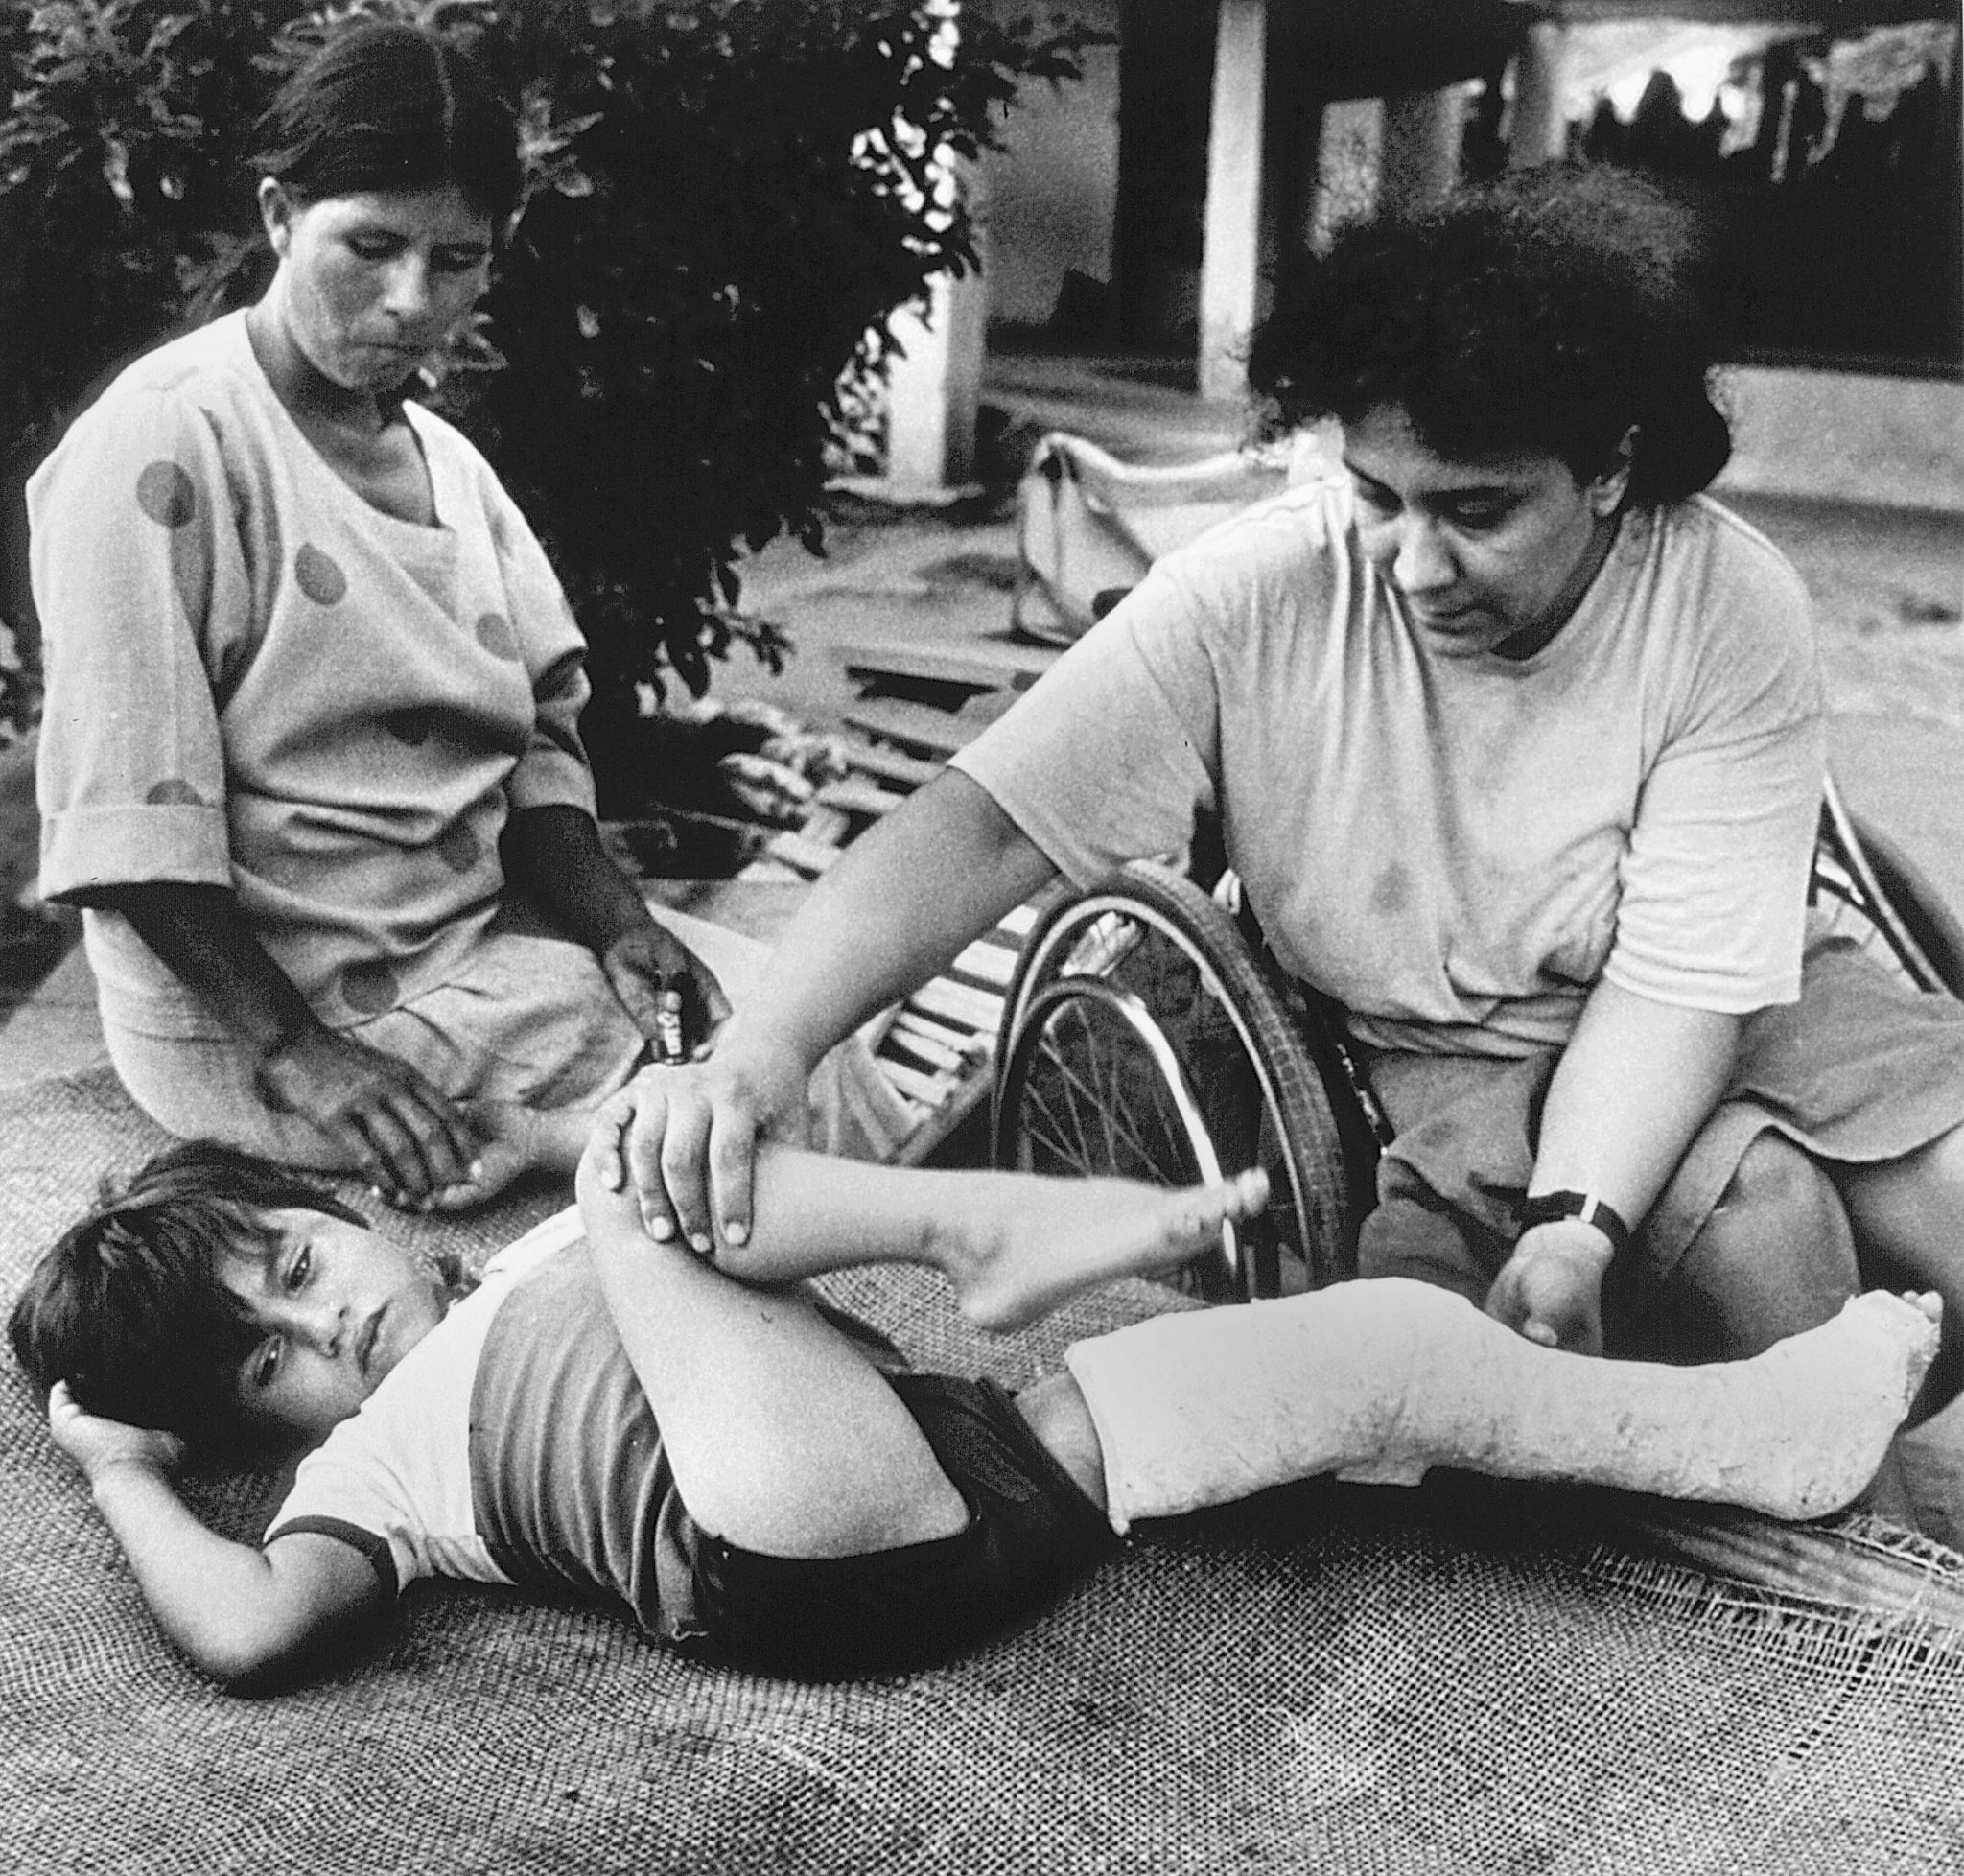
1146, 1033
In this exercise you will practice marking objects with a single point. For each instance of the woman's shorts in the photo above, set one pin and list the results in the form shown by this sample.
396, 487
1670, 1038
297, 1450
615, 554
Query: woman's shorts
1862, 1069
1031, 1531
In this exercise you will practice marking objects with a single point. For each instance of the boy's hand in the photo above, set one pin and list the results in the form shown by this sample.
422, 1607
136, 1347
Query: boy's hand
98, 1446
1550, 1289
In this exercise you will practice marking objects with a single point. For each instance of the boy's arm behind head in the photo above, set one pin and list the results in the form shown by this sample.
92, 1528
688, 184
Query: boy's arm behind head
236, 1611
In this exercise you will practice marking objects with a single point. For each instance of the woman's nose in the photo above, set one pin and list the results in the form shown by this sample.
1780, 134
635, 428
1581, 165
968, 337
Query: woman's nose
408, 287
1421, 563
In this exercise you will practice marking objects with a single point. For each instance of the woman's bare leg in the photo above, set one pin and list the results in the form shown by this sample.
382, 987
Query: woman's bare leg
1775, 1257
1909, 1216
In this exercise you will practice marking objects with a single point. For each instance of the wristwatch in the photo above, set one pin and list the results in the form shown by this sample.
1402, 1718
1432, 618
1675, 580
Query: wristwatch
1548, 1208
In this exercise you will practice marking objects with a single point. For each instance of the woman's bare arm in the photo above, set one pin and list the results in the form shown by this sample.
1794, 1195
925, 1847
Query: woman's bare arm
895, 908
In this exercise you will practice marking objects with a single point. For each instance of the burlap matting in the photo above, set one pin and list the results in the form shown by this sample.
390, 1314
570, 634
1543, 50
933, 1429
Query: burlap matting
1327, 1680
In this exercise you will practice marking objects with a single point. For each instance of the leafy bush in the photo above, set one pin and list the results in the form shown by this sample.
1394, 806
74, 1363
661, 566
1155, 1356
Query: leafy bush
727, 199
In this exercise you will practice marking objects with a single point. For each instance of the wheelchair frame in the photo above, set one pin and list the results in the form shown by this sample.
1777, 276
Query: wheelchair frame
1145, 1033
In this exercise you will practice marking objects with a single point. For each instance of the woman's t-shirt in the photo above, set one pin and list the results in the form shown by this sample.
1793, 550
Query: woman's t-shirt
257, 680
1455, 847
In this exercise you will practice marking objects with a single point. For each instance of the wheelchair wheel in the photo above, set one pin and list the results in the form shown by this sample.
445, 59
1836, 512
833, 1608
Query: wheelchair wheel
1141, 1039
1865, 888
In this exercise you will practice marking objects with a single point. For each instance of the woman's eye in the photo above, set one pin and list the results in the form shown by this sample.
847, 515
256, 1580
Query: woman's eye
266, 1362
301, 1268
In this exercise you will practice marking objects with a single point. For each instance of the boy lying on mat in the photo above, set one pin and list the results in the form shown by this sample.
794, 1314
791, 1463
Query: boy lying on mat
762, 1483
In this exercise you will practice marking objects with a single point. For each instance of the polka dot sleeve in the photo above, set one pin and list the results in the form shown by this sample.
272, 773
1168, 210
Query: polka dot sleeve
140, 584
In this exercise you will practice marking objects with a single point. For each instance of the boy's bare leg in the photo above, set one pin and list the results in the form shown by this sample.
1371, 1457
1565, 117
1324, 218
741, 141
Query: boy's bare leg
1013, 1245
784, 1438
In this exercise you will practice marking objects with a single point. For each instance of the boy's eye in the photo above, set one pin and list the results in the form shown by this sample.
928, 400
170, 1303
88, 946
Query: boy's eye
373, 246
265, 1363
458, 260
1477, 515
300, 1268
1381, 500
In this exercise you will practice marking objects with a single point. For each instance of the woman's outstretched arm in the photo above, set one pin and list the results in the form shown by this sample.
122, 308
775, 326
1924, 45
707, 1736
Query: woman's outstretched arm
898, 904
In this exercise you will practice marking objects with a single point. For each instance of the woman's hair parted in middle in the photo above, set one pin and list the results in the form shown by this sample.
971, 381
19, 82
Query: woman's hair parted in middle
1549, 311
386, 106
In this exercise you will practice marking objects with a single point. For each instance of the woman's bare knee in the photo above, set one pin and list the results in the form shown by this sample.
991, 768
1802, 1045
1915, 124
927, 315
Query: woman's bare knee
1774, 1258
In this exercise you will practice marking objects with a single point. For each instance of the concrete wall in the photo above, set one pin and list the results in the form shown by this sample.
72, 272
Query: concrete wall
1898, 442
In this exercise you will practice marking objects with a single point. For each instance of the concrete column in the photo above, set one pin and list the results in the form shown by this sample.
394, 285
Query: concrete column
1423, 130
934, 371
1230, 249
934, 381
1538, 131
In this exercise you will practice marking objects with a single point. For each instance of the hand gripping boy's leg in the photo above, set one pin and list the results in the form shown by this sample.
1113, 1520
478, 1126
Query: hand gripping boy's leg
1380, 1380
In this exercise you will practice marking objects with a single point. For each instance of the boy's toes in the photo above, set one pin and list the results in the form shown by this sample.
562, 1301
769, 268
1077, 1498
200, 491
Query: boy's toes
1251, 1192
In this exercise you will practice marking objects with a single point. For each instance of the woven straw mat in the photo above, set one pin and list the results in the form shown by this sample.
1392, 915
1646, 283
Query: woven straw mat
1325, 1680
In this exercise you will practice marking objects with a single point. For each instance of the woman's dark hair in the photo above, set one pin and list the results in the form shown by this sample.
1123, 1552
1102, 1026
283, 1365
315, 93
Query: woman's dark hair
1549, 311
388, 106
127, 1305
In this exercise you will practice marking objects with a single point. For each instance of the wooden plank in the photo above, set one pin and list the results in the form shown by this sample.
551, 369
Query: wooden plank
921, 726
973, 1009
991, 963
862, 798
889, 765
1012, 667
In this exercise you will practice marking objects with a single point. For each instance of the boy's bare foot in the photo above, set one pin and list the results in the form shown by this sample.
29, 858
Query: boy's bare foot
1015, 1246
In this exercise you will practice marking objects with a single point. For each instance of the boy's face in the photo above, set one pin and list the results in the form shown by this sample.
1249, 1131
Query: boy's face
340, 1306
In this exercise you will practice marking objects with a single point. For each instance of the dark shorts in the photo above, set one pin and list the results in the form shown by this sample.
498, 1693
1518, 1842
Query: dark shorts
1031, 1530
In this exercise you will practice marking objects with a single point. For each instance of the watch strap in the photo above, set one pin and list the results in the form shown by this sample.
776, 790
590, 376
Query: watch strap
1549, 1208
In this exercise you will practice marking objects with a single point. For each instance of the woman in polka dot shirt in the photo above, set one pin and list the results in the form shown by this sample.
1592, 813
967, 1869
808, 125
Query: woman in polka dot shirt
310, 759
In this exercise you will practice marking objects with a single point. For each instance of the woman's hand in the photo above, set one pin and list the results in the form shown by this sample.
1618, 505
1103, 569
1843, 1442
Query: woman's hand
409, 1141
97, 1444
689, 1149
644, 964
1550, 1289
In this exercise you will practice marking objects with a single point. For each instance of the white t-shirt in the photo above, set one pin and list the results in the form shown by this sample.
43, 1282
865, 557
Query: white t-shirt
400, 1469
1455, 849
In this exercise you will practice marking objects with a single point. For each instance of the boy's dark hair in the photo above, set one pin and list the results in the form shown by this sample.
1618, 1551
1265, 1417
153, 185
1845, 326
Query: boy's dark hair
128, 1306
1548, 312
388, 106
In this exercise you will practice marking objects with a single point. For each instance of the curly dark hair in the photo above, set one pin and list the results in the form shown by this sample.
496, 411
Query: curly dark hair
1551, 311
127, 1305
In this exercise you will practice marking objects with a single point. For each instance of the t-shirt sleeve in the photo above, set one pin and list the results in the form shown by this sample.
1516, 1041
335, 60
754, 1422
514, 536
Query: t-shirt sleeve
1113, 751
138, 577
553, 770
348, 1489
1713, 883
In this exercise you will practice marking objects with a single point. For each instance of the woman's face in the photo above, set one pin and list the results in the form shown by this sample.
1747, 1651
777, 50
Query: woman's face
370, 285
1488, 554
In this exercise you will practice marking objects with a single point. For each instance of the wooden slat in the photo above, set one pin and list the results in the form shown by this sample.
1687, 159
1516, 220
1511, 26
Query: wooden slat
861, 798
909, 771
920, 725
974, 1009
1005, 666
